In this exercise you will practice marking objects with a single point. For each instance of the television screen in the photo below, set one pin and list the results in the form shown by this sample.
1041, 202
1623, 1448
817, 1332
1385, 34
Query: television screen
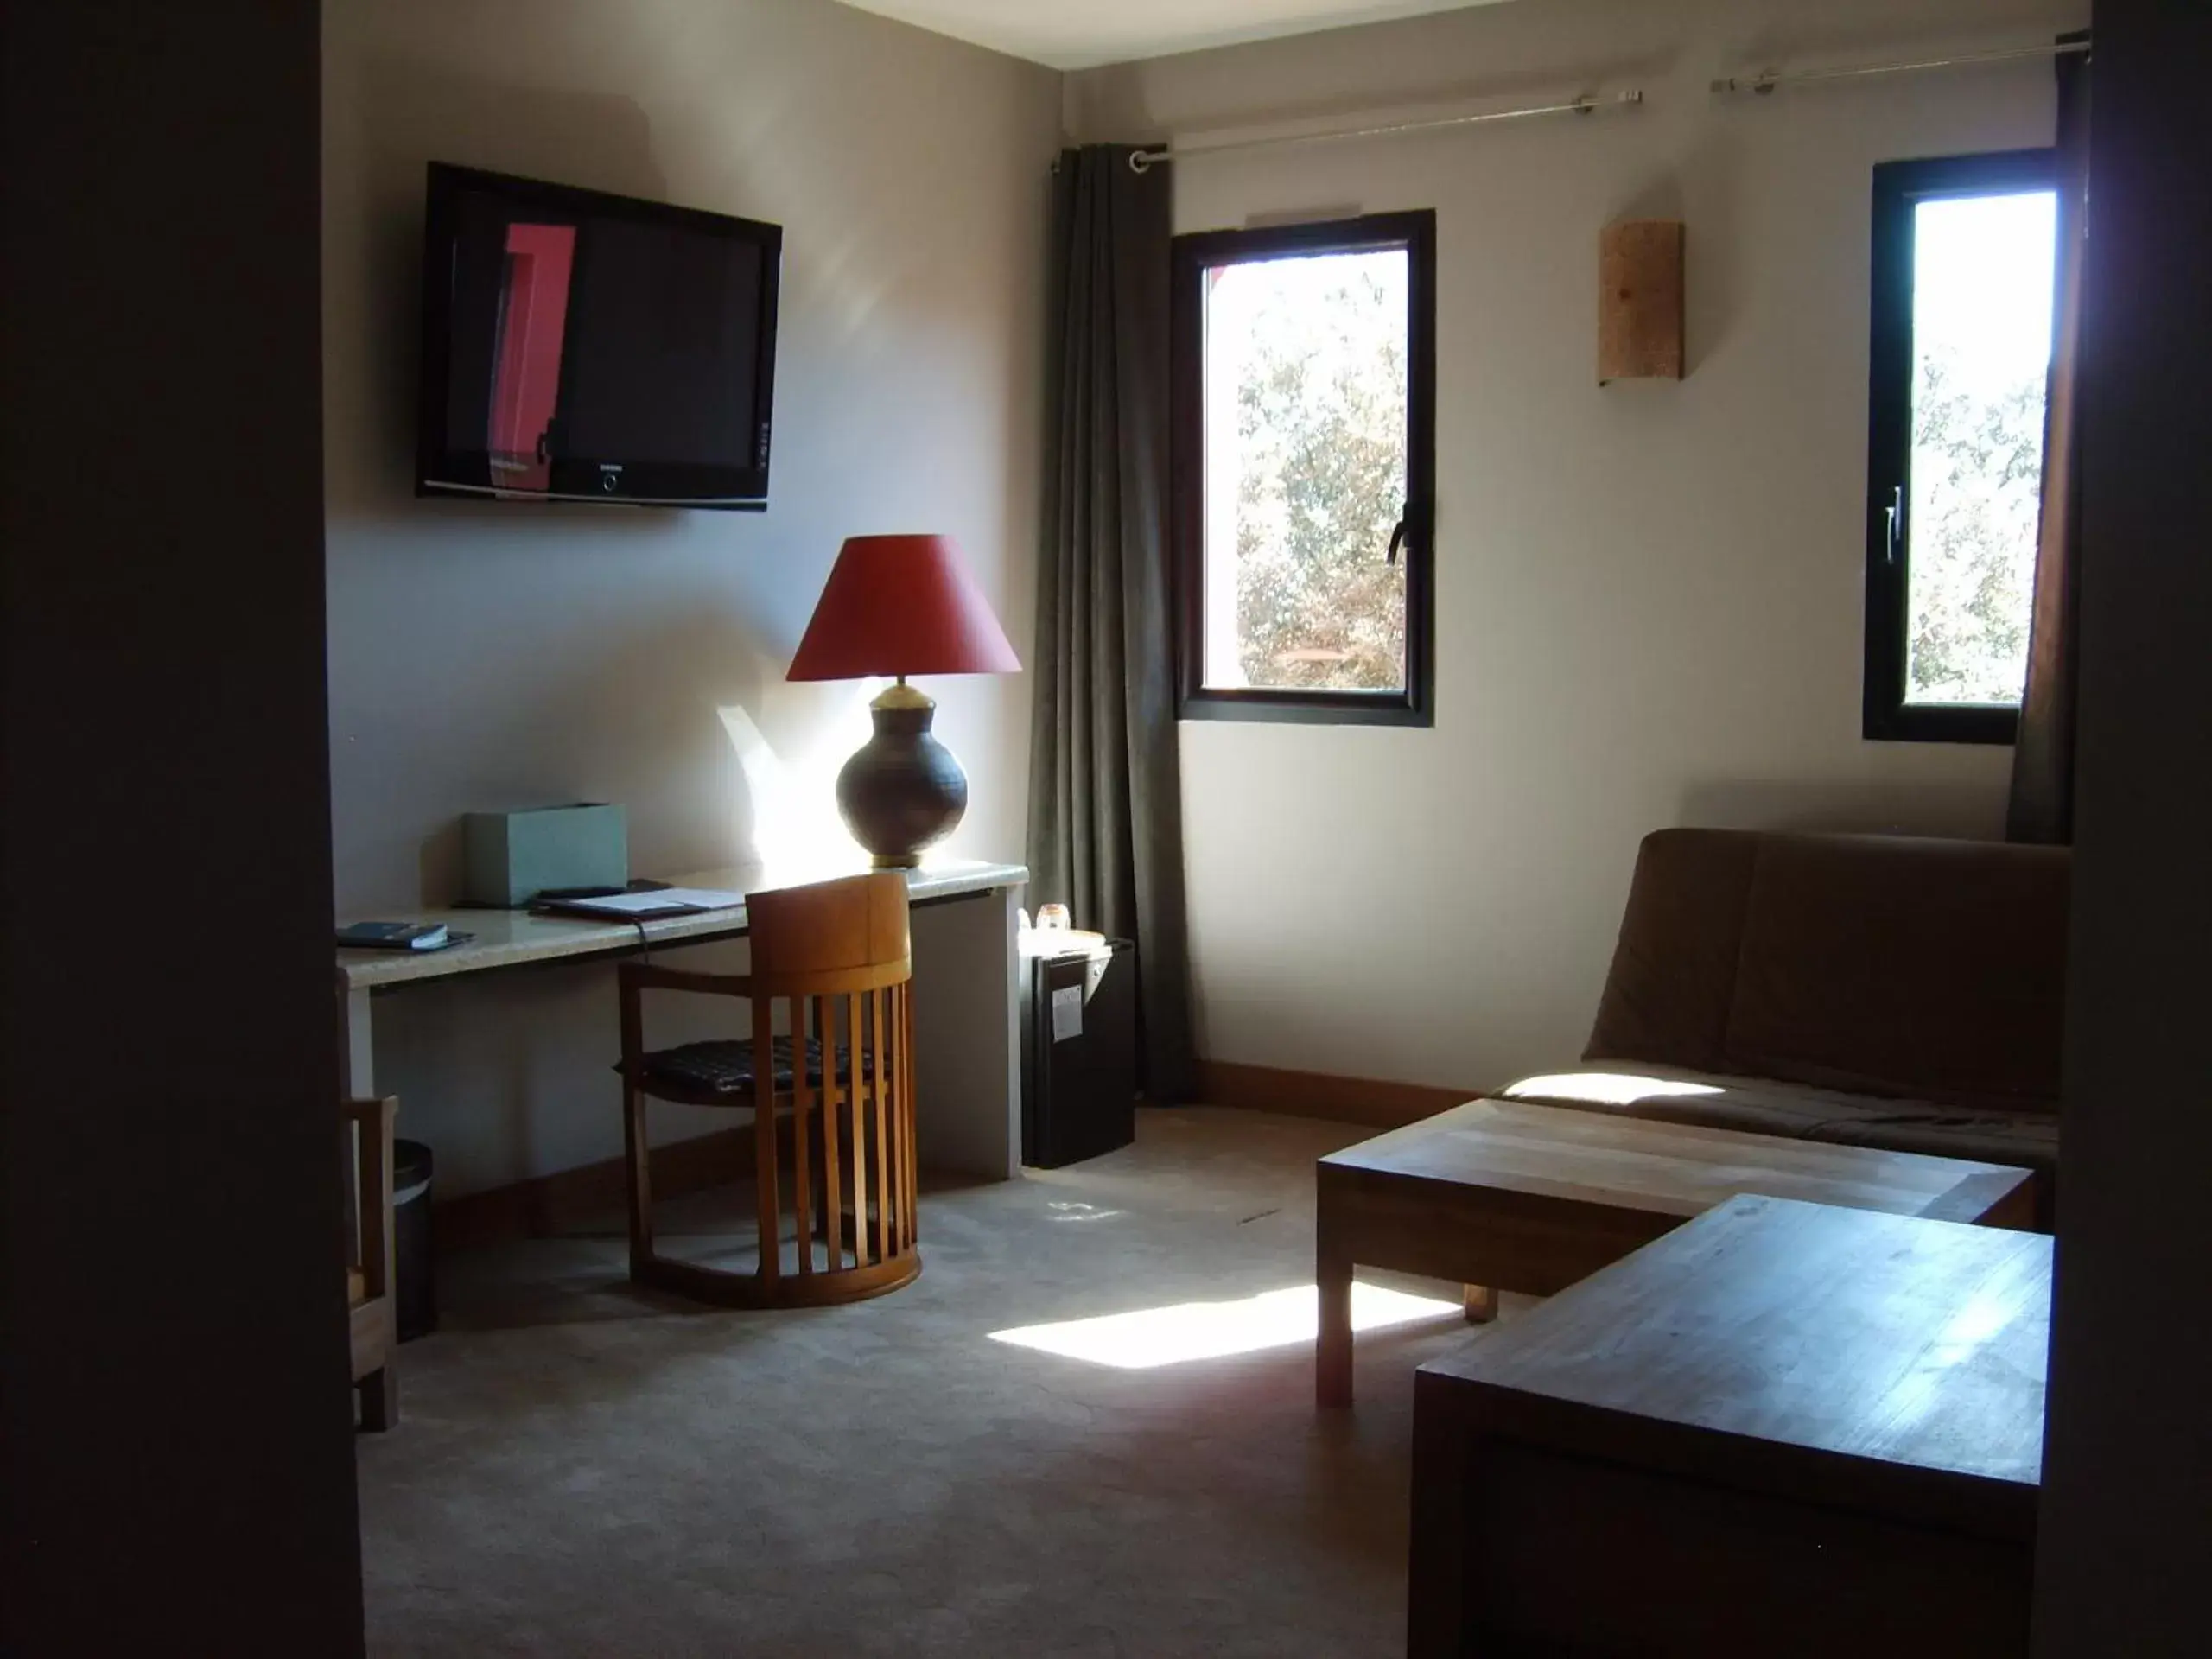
583, 347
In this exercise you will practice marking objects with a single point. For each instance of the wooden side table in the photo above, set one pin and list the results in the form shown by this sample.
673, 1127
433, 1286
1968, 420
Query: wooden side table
1508, 1195
1784, 1428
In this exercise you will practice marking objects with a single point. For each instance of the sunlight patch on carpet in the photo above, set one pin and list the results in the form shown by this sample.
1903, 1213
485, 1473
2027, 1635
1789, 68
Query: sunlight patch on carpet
1068, 1211
1187, 1330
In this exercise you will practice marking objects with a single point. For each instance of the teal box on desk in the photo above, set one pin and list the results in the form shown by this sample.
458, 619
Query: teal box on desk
509, 858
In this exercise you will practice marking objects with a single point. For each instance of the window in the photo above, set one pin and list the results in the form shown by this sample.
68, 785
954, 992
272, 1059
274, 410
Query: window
1965, 264
1304, 381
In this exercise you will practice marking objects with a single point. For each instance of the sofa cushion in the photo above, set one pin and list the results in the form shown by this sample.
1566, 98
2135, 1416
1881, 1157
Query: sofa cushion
1887, 965
2022, 1139
1673, 972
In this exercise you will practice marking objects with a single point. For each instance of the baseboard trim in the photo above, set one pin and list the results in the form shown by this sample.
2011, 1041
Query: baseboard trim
569, 1197
1319, 1094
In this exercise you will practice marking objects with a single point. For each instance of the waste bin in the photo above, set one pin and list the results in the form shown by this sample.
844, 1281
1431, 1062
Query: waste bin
418, 1312
1079, 1005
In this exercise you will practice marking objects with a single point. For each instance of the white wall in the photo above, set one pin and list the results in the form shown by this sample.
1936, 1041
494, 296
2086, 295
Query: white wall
486, 655
1649, 596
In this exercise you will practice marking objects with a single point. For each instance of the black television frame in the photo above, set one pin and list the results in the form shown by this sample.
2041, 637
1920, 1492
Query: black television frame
617, 478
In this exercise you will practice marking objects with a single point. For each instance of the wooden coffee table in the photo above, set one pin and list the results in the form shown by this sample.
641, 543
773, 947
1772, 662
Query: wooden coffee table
1783, 1429
1506, 1195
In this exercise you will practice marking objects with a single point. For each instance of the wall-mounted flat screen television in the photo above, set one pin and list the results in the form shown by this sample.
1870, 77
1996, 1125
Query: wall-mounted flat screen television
581, 346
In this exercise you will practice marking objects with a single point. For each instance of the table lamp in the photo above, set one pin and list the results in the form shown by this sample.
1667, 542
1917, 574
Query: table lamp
901, 605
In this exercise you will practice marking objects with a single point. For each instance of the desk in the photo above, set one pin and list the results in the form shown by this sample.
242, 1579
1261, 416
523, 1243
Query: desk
966, 1042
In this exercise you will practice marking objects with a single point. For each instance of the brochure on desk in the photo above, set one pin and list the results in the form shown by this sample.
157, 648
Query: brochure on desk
659, 903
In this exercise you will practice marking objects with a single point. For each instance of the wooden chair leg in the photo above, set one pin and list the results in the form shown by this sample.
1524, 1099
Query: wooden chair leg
637, 1148
373, 1263
379, 1392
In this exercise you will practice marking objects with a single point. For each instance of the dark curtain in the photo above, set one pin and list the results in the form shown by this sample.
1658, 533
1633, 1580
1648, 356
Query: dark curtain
2042, 806
1105, 812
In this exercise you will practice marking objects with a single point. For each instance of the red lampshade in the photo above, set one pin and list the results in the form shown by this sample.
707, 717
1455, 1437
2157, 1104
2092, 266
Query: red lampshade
901, 605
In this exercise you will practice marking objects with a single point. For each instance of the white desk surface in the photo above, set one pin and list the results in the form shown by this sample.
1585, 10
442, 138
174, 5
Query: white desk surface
509, 938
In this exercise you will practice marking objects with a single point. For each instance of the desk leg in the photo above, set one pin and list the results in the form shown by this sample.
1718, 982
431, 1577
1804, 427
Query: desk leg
356, 1060
1332, 1342
967, 1046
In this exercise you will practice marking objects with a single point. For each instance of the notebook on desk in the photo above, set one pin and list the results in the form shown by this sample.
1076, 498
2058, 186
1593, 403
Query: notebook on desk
399, 935
660, 903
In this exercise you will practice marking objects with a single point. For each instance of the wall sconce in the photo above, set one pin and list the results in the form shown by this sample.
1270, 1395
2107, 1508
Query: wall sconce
1640, 300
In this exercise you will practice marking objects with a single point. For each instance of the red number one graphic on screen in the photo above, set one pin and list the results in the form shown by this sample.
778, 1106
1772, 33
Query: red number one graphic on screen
533, 312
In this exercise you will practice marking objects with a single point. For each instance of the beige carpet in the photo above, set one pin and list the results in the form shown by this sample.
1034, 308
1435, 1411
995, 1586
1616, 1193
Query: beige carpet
583, 1470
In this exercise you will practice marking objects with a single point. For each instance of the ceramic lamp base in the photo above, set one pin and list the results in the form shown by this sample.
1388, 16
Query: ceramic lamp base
902, 791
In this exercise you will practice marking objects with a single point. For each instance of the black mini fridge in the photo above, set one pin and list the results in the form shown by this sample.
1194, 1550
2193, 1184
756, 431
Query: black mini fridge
1078, 1052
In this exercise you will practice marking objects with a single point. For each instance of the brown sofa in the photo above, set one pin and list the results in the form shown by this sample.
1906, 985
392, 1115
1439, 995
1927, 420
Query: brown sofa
1872, 991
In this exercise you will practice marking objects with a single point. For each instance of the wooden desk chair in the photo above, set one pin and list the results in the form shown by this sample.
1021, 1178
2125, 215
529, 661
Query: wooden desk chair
836, 955
371, 1282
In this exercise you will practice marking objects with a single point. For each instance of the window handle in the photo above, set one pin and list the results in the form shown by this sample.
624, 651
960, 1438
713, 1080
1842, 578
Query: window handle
1398, 536
1893, 532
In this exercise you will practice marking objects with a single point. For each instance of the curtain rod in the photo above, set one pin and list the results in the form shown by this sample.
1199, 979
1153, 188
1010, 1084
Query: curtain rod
1767, 80
1143, 160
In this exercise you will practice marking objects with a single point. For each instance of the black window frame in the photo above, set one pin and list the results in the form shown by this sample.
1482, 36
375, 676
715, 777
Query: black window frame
1193, 255
1900, 188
